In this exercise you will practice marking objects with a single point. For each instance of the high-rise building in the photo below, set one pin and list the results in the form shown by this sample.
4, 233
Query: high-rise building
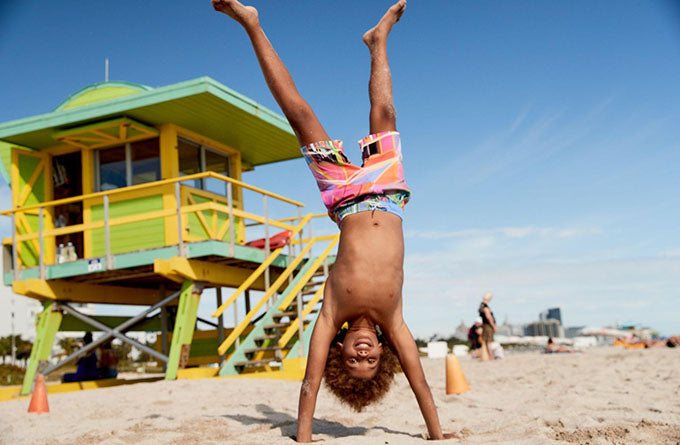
551, 314
554, 314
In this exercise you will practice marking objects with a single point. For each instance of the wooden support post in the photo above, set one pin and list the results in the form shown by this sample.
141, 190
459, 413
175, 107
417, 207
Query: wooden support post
267, 250
41, 230
15, 249
230, 203
164, 327
220, 321
180, 233
107, 234
185, 323
46, 331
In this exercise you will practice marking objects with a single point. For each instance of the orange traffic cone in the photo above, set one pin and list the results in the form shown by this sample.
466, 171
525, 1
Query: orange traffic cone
456, 382
39, 398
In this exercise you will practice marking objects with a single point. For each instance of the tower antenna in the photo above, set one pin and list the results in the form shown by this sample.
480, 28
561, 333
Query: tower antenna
106, 69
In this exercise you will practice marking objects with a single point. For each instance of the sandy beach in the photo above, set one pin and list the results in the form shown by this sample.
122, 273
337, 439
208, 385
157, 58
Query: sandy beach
603, 396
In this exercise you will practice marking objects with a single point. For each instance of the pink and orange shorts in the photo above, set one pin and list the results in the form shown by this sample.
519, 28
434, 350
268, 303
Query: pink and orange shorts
378, 184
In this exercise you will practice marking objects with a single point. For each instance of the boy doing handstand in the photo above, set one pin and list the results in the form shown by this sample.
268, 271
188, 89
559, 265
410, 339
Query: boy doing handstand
365, 285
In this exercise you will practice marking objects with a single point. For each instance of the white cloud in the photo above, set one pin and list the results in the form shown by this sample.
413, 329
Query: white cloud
530, 139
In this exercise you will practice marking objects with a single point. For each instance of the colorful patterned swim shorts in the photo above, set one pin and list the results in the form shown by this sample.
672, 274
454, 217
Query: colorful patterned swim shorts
347, 189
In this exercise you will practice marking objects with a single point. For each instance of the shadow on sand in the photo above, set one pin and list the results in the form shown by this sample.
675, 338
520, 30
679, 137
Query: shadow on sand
287, 424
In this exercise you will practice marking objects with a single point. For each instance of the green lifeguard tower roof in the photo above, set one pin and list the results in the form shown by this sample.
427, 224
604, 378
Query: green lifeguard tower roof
202, 105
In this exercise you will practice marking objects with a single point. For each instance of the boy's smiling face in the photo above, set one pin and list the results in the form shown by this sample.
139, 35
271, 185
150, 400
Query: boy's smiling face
361, 352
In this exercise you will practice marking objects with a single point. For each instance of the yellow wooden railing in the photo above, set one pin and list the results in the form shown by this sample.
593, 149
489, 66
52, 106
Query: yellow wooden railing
295, 324
216, 205
260, 270
274, 287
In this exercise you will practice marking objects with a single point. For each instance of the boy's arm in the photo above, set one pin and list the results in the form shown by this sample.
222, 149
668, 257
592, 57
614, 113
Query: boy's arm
324, 332
402, 341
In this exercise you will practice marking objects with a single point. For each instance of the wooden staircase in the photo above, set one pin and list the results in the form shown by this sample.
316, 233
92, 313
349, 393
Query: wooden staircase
261, 349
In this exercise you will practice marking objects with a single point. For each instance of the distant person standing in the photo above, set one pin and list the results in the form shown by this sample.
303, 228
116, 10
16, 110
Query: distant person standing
488, 323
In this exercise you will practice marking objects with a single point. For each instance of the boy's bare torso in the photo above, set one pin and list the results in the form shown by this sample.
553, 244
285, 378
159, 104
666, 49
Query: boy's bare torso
367, 277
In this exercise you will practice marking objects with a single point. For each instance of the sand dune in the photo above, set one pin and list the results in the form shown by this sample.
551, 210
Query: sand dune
605, 396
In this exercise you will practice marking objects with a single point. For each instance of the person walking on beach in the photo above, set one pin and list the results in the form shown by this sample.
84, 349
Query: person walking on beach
364, 287
488, 323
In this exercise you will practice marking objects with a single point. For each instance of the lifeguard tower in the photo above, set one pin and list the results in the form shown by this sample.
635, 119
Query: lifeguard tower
130, 195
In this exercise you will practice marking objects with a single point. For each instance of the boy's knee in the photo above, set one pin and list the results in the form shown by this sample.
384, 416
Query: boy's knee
385, 112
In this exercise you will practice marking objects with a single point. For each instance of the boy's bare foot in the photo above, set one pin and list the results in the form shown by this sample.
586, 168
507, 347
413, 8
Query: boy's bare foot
379, 32
245, 15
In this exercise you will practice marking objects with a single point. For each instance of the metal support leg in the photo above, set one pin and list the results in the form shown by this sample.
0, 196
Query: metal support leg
184, 327
108, 332
46, 331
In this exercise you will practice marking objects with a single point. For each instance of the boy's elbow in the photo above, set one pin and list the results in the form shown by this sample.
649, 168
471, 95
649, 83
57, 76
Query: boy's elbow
308, 387
305, 387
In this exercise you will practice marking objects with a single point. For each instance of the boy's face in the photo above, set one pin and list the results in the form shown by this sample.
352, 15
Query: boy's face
361, 353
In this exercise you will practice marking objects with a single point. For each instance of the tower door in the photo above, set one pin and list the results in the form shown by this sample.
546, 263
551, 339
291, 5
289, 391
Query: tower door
67, 182
31, 185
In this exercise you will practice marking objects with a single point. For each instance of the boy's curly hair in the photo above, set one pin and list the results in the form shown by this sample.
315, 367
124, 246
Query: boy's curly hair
355, 392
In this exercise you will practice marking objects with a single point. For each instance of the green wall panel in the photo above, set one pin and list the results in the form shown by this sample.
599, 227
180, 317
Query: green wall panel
196, 228
27, 166
133, 236
29, 255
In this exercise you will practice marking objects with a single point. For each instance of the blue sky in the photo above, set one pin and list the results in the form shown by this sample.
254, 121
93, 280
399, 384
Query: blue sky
541, 139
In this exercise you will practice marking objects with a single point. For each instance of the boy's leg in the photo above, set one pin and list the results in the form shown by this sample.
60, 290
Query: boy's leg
383, 115
300, 115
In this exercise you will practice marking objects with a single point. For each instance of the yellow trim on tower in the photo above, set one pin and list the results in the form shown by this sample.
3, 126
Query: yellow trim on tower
93, 135
213, 273
91, 293
204, 140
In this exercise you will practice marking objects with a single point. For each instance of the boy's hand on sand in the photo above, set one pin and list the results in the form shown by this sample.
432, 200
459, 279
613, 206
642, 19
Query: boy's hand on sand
445, 436
310, 441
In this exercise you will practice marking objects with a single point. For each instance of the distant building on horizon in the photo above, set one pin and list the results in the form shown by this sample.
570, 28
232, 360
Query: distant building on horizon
555, 314
510, 329
573, 331
18, 314
551, 314
548, 328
